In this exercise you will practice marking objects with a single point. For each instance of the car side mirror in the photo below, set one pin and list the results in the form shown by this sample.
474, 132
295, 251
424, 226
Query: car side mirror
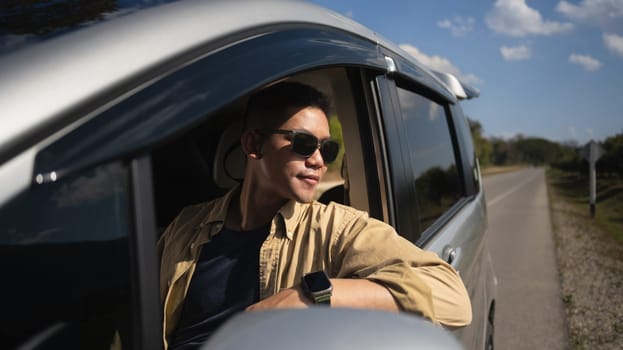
329, 329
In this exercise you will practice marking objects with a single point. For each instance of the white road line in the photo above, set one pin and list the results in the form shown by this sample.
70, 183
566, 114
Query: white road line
513, 189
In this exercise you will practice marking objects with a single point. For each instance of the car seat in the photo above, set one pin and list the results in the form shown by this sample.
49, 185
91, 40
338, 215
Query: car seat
230, 161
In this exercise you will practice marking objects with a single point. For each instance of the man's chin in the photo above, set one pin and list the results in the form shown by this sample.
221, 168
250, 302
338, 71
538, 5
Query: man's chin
305, 200
304, 197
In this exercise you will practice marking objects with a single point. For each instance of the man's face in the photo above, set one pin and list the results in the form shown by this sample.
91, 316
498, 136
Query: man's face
286, 174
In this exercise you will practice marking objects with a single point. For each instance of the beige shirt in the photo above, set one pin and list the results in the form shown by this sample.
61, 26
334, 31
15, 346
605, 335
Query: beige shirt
307, 237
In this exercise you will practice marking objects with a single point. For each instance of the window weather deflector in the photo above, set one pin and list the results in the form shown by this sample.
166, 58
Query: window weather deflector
391, 65
183, 99
460, 89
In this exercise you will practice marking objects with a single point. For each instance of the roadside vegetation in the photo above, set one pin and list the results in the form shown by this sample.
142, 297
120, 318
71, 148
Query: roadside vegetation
568, 170
589, 250
573, 187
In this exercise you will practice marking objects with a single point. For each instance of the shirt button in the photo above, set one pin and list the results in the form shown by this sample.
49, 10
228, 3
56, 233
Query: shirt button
192, 245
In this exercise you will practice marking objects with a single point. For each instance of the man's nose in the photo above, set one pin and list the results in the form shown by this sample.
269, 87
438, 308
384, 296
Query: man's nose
315, 160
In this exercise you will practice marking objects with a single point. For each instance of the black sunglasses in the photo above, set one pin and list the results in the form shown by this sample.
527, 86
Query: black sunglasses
305, 144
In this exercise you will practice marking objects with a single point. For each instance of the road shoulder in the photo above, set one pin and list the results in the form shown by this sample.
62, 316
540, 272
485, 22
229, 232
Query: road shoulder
591, 267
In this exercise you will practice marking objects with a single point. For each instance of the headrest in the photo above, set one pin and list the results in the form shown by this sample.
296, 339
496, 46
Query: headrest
230, 161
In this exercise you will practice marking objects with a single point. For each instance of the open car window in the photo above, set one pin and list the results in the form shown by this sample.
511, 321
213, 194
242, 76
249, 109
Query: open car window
207, 161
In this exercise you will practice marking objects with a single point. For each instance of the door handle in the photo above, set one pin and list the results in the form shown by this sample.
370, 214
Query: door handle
451, 255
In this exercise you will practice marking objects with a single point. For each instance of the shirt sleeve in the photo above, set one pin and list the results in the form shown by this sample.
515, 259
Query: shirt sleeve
419, 280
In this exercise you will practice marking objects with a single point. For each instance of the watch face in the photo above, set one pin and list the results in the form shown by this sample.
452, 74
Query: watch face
317, 281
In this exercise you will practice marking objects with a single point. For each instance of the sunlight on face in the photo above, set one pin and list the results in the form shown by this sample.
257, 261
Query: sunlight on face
287, 174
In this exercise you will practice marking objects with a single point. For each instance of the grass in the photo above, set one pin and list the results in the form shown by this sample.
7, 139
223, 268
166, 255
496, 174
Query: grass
494, 169
574, 188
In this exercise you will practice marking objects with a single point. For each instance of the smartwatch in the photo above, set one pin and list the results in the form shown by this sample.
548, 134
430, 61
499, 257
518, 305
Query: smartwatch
317, 287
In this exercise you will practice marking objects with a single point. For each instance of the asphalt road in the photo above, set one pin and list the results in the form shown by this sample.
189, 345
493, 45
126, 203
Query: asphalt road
529, 309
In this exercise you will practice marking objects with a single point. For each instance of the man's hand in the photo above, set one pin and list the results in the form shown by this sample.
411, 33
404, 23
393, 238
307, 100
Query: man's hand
291, 298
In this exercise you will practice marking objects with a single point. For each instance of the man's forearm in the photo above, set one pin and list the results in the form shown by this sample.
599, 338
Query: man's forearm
353, 293
362, 293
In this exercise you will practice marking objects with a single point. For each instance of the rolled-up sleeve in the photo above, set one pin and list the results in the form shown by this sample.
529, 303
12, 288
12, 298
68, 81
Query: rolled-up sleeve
419, 280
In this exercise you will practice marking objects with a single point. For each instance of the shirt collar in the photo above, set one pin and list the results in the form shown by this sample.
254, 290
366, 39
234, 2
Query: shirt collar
291, 214
221, 205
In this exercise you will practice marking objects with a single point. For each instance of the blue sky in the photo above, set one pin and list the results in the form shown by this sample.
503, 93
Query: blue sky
546, 68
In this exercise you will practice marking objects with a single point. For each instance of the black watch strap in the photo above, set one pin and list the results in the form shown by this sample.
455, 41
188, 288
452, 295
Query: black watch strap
323, 299
317, 287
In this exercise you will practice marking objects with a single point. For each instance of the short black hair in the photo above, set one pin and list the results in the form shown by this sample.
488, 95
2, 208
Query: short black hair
271, 107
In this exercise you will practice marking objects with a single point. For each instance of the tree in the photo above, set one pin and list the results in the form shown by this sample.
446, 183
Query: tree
500, 151
482, 146
612, 159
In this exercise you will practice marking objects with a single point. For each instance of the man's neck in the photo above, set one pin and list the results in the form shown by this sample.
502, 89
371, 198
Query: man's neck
252, 208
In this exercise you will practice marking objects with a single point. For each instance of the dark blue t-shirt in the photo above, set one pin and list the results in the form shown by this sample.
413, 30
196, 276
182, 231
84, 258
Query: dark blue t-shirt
226, 281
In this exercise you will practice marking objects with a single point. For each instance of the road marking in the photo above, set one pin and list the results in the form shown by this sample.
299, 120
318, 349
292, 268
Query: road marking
513, 189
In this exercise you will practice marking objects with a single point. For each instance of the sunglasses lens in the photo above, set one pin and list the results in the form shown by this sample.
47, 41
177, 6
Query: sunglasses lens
329, 151
304, 144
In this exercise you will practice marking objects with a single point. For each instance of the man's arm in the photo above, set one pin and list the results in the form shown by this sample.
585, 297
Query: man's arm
419, 281
376, 268
352, 293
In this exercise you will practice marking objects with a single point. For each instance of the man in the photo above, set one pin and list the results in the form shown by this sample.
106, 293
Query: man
267, 244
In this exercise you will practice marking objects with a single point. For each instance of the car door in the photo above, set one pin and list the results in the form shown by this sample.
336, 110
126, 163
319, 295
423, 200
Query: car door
71, 254
434, 189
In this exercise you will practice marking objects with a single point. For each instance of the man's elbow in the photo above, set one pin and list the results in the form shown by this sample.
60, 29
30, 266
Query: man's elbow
451, 304
460, 315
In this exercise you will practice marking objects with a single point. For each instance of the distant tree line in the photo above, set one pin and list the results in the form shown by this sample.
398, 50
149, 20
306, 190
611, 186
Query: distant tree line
539, 151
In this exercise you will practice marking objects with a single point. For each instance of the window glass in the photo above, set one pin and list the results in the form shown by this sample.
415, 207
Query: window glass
64, 256
436, 179
468, 149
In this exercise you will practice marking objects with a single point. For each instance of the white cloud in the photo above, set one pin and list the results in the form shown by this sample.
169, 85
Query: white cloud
439, 63
458, 26
586, 62
607, 14
516, 18
614, 43
516, 53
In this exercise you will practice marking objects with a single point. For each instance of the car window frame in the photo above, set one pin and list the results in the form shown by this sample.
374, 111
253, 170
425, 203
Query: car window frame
145, 266
406, 223
467, 150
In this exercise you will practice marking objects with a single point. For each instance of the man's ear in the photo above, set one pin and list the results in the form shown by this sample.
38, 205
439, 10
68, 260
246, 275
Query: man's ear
251, 143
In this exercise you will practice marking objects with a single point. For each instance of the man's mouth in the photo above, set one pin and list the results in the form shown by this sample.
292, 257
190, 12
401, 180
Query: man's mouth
310, 179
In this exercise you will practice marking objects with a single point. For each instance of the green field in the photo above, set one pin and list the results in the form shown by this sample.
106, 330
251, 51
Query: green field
574, 188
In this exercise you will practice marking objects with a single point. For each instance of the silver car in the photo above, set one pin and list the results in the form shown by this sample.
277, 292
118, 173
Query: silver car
108, 131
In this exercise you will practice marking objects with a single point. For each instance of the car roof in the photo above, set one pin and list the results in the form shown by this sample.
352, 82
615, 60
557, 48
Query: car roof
43, 82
